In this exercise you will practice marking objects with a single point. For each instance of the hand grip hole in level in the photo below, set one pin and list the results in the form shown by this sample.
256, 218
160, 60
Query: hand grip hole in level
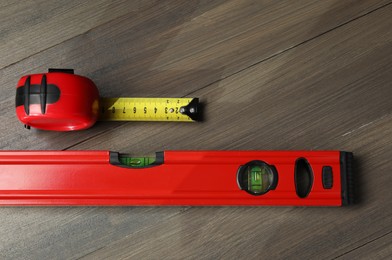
303, 177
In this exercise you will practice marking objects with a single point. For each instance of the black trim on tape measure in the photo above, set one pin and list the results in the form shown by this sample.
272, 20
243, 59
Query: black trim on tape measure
192, 109
69, 71
25, 96
42, 94
114, 159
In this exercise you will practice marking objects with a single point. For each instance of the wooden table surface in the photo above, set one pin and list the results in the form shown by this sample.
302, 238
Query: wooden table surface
273, 75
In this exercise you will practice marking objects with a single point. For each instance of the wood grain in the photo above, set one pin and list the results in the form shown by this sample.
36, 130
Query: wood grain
272, 75
116, 50
29, 27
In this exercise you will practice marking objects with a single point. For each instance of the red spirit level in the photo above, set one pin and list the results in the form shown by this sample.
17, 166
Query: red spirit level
61, 101
242, 178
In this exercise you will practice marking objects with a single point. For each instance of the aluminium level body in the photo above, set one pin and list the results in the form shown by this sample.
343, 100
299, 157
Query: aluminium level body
235, 178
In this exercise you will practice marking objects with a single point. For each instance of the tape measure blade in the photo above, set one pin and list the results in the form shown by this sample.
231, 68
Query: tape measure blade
149, 109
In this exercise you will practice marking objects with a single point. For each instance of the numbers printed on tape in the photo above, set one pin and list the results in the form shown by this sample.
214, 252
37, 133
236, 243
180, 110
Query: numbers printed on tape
145, 109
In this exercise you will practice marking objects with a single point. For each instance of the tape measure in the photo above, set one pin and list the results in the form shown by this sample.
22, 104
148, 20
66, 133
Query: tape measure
149, 109
62, 101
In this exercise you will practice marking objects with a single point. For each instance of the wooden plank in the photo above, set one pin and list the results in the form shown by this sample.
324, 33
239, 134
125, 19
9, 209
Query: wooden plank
71, 232
294, 233
306, 96
137, 54
380, 248
322, 95
29, 27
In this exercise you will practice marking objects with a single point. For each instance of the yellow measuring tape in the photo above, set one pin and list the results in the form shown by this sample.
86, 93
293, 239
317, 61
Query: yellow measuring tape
149, 109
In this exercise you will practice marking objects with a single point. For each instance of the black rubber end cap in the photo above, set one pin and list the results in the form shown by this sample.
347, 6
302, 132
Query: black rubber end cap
347, 178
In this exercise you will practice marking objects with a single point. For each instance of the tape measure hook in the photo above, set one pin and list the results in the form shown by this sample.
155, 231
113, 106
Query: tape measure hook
192, 109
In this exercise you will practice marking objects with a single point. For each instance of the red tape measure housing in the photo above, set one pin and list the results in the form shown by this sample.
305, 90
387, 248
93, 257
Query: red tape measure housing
58, 101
